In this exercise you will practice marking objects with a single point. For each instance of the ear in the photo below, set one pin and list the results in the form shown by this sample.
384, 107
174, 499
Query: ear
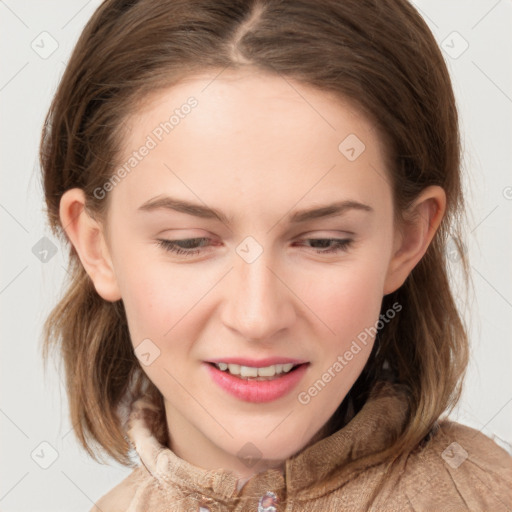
412, 238
87, 237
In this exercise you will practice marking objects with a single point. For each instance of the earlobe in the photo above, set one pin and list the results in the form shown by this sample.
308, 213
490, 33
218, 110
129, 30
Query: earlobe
414, 237
86, 235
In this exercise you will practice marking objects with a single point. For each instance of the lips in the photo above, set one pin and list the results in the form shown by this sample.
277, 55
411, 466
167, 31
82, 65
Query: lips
253, 390
257, 363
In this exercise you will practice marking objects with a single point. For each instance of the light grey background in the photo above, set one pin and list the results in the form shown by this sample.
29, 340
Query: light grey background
33, 410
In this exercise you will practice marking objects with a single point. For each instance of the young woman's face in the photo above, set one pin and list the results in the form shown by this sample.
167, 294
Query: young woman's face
259, 279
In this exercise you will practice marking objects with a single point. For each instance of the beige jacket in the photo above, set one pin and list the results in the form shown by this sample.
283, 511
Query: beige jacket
458, 469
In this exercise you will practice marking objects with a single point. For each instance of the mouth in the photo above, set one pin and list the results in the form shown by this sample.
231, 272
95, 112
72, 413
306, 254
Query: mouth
253, 373
245, 382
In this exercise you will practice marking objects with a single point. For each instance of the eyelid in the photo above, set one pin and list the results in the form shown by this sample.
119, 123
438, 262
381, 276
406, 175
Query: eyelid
327, 233
338, 245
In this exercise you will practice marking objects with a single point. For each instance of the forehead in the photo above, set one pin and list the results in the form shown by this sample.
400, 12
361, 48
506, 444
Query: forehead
265, 136
230, 100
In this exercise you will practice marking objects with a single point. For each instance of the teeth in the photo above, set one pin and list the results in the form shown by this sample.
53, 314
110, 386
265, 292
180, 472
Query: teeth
250, 371
268, 371
234, 368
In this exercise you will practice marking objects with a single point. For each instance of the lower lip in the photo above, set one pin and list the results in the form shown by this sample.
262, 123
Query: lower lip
257, 391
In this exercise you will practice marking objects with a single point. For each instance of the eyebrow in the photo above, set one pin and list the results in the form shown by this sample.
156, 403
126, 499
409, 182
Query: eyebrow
197, 210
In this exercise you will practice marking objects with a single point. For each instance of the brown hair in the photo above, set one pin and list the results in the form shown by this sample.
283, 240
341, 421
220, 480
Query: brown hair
378, 54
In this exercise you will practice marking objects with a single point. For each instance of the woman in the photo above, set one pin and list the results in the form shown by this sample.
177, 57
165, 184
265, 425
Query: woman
258, 197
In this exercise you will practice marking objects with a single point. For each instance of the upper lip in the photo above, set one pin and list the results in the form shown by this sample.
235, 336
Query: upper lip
257, 363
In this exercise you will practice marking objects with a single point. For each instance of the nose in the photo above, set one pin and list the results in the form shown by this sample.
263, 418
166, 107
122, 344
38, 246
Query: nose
259, 303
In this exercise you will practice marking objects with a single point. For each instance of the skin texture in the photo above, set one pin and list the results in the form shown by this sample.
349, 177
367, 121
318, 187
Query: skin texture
258, 148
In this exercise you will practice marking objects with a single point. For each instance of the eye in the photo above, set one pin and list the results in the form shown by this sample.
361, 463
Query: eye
338, 244
191, 246
187, 250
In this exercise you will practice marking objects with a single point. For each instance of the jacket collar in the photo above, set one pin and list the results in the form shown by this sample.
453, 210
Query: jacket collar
314, 471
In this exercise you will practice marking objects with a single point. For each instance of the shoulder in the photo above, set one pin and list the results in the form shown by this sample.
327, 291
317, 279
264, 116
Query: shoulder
459, 468
119, 498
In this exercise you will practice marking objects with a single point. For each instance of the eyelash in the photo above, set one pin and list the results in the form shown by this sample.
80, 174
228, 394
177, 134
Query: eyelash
341, 245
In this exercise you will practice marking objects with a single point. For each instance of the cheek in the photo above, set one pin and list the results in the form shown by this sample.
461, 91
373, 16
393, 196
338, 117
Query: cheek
347, 299
156, 297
